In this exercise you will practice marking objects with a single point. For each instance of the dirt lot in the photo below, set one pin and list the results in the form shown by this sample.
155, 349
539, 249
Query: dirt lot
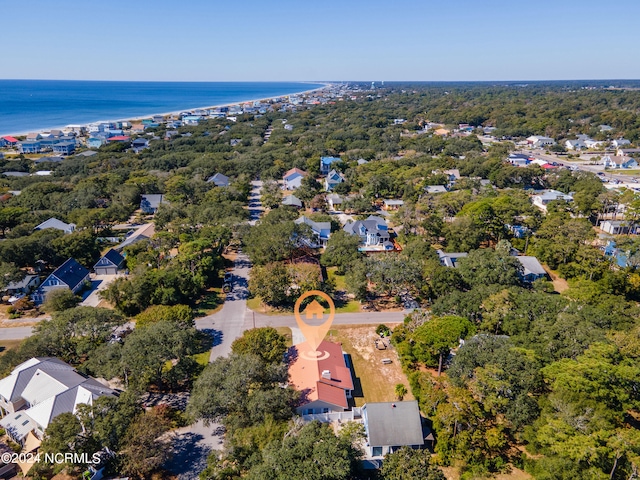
374, 381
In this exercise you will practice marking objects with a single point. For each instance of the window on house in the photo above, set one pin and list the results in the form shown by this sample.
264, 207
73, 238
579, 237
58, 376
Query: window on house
308, 411
377, 451
325, 410
25, 422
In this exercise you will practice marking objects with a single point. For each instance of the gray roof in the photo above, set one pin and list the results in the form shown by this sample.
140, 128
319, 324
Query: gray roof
88, 153
450, 259
292, 201
24, 283
219, 179
57, 224
393, 424
436, 189
372, 224
152, 200
531, 265
315, 226
15, 174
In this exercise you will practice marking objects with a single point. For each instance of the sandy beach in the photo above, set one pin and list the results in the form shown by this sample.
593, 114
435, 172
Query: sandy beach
175, 112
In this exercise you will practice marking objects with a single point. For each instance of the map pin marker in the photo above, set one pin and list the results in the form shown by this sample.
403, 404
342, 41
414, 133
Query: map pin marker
314, 334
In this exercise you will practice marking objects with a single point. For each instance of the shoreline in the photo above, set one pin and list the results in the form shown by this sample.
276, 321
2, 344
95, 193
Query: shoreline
175, 112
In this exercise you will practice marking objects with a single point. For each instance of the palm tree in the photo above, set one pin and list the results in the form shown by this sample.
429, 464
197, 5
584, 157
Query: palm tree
400, 391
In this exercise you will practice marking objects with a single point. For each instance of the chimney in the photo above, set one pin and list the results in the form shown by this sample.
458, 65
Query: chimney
326, 374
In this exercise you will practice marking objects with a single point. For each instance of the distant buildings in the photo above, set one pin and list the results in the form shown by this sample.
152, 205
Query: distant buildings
538, 141
293, 178
326, 164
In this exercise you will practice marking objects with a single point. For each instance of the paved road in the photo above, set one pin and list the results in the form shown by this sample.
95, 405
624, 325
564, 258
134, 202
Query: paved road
360, 318
15, 333
98, 283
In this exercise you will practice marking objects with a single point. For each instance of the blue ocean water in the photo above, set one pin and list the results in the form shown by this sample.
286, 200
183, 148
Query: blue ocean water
27, 105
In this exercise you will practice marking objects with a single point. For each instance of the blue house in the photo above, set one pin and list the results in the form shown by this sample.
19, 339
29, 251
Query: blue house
109, 264
70, 275
373, 233
326, 162
29, 146
333, 178
96, 141
321, 232
65, 148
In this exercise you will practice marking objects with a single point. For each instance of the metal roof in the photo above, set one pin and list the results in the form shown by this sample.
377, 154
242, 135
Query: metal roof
393, 424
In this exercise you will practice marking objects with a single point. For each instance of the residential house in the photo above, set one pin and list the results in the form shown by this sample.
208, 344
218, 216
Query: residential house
450, 259
57, 224
150, 203
87, 154
139, 144
169, 134
321, 232
531, 269
33, 137
119, 139
373, 233
391, 425
288, 127
332, 179
324, 382
70, 275
109, 264
620, 142
519, 159
40, 160
8, 141
219, 180
539, 141
433, 189
575, 145
97, 140
40, 389
24, 286
542, 199
326, 164
138, 128
15, 174
191, 119
293, 178
67, 147
390, 204
442, 132
334, 201
618, 227
590, 143
29, 146
628, 152
362, 161
292, 201
399, 121
145, 232
605, 128
235, 142
616, 161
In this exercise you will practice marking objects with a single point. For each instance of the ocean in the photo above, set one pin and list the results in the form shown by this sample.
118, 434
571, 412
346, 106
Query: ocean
32, 105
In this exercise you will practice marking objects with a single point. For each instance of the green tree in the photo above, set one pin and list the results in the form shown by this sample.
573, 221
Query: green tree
61, 299
434, 339
400, 391
409, 464
264, 342
271, 283
341, 251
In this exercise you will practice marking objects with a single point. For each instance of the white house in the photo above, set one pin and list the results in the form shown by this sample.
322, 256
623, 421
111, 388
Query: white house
575, 144
40, 389
620, 142
618, 161
539, 141
542, 199
617, 227
293, 178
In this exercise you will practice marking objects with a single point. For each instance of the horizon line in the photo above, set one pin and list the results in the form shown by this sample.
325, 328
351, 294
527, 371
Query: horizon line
324, 81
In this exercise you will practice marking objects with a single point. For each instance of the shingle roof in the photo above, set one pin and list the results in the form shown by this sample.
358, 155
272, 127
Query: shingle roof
531, 265
393, 424
219, 179
57, 224
306, 374
71, 273
292, 200
113, 257
295, 171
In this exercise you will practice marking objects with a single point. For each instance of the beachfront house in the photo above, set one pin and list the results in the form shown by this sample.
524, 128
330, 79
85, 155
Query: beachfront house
70, 275
29, 146
8, 141
67, 147
139, 144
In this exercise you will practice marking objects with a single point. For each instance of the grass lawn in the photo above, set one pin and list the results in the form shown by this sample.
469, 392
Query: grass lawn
624, 172
286, 333
374, 381
338, 279
350, 307
8, 345
210, 302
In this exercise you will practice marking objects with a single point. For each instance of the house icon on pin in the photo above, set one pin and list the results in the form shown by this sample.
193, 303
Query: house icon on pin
314, 309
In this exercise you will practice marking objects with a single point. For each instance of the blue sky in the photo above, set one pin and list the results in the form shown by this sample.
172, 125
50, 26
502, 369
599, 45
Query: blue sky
235, 40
